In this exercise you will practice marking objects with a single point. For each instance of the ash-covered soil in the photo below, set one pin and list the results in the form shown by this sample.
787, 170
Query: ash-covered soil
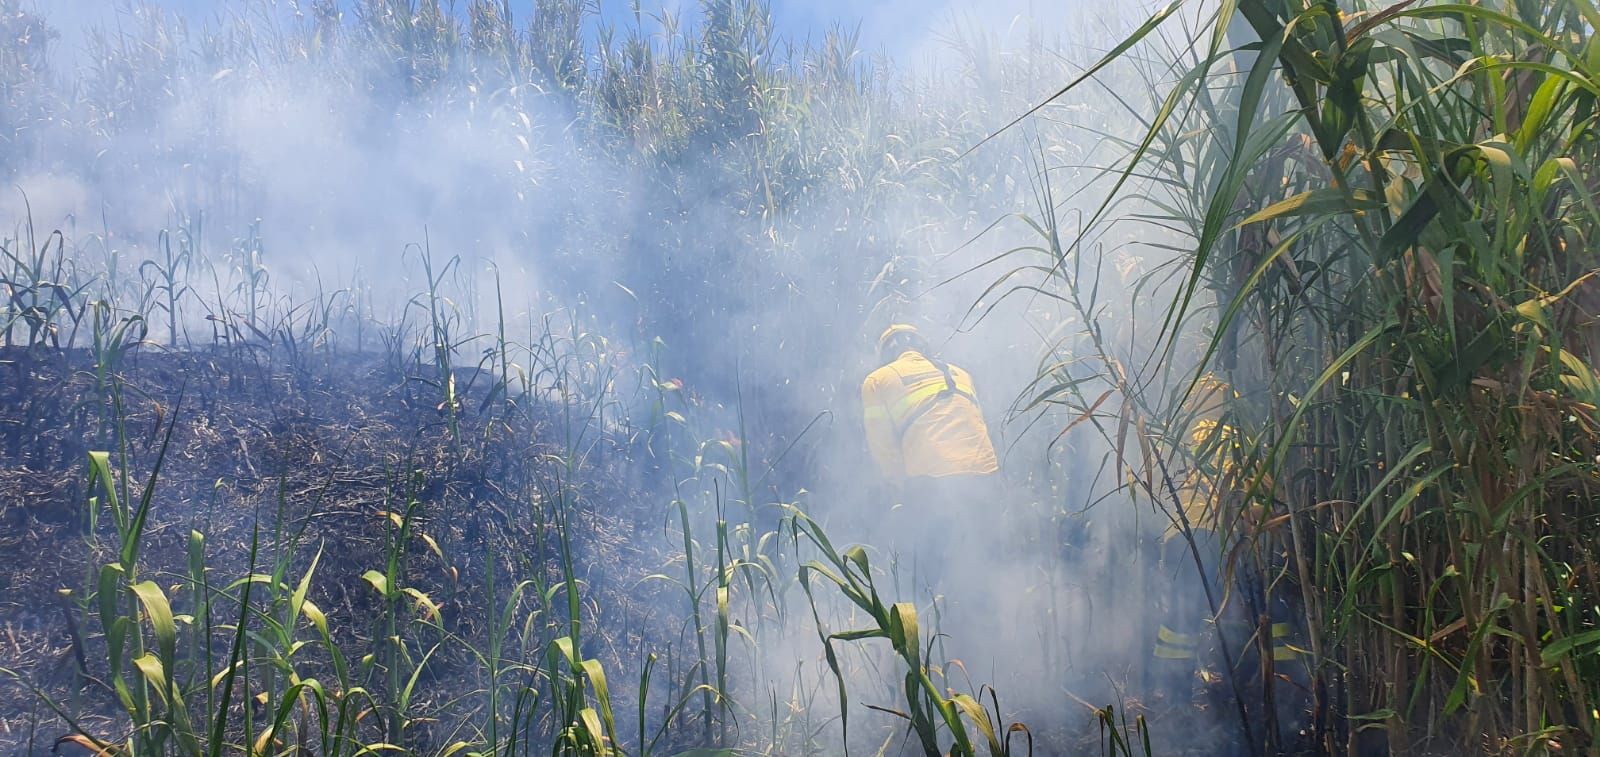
302, 458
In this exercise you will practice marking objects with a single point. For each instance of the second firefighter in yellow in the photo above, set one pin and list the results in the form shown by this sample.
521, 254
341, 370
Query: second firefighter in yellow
1214, 484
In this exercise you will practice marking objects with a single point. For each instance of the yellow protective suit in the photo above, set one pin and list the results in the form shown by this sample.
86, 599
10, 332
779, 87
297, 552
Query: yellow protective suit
1215, 446
922, 419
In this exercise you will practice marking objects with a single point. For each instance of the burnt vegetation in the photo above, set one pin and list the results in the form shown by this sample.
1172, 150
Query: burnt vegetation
513, 424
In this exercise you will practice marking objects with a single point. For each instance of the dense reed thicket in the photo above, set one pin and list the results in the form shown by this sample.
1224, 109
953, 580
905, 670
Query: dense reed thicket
1394, 204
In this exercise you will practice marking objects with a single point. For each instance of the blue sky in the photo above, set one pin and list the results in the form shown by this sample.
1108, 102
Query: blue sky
900, 28
893, 26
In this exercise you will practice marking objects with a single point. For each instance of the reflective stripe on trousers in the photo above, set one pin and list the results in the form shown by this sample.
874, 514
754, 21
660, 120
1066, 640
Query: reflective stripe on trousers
1172, 645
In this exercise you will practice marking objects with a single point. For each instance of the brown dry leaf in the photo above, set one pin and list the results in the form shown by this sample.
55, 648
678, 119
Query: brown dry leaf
1447, 630
1424, 278
1086, 414
89, 745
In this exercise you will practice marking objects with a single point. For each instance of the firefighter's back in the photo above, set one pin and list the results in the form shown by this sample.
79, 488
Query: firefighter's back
935, 410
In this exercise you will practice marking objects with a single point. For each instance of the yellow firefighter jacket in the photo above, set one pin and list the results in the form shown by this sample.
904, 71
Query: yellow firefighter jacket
922, 419
1215, 446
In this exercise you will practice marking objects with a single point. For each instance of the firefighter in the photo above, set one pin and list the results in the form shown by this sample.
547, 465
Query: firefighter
1179, 646
927, 435
1211, 442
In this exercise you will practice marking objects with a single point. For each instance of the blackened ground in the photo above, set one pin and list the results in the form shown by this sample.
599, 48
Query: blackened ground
310, 456
302, 457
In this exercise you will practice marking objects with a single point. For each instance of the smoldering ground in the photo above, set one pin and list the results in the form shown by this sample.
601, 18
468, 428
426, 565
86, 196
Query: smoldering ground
292, 151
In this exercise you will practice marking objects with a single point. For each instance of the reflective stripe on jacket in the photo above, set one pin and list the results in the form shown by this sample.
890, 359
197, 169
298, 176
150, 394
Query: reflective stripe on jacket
922, 419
